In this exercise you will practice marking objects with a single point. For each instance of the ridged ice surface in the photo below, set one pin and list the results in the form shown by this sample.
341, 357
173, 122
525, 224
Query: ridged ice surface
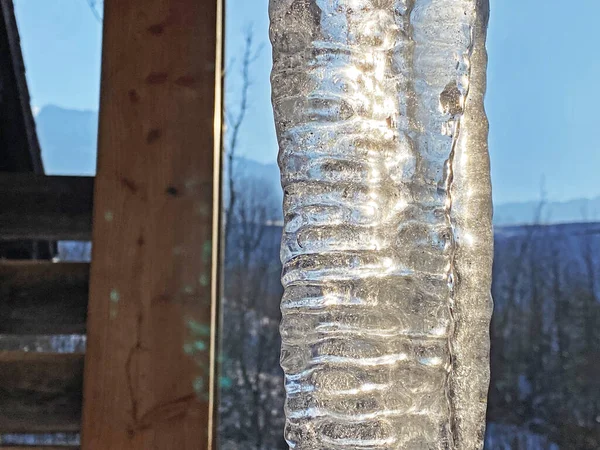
386, 246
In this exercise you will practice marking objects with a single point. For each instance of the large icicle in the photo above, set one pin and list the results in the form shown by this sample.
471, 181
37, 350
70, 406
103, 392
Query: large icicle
387, 241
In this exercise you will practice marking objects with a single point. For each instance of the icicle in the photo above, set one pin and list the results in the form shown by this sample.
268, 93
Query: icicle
387, 240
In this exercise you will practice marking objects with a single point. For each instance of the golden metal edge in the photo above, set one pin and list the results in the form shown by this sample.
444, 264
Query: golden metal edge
216, 226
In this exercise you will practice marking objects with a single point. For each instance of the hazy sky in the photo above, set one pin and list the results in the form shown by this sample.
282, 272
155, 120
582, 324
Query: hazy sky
543, 87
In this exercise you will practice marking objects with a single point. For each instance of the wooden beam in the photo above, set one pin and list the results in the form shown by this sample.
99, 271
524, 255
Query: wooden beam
43, 297
40, 392
41, 207
19, 146
150, 358
20, 250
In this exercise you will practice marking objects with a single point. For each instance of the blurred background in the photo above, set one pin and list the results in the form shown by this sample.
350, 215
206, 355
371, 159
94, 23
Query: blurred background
541, 102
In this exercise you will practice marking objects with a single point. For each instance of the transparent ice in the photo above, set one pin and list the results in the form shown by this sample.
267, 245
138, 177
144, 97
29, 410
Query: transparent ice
387, 241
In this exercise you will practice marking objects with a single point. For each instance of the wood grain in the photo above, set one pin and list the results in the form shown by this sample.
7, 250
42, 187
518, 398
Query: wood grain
43, 297
40, 392
147, 372
42, 207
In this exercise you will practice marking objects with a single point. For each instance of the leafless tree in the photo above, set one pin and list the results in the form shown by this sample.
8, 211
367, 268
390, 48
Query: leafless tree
234, 119
545, 337
96, 6
74, 251
251, 408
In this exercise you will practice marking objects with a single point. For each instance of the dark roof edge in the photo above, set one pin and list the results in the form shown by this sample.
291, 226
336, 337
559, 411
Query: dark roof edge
8, 16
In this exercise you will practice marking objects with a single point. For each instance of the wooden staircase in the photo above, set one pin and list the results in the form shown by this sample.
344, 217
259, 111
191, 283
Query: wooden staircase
41, 391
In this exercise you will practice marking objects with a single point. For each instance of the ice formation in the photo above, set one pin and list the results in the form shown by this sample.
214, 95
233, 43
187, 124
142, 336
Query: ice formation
387, 240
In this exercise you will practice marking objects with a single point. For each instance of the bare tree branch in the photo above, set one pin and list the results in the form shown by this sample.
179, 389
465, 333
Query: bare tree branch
235, 121
94, 8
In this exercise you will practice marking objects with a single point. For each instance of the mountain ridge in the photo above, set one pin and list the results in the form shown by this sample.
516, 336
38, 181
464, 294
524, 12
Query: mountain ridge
68, 139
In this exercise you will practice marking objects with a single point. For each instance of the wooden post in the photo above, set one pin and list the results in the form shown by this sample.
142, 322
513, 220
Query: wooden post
149, 367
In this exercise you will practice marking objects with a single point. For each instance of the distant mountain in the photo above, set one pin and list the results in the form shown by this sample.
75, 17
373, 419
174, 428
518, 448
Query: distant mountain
505, 214
267, 174
578, 210
68, 140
